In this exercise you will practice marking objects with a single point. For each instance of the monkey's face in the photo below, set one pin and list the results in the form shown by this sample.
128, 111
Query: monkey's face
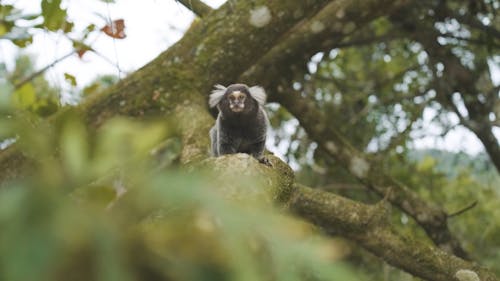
237, 101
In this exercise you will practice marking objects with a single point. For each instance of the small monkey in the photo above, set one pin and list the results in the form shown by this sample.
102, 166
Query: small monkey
242, 123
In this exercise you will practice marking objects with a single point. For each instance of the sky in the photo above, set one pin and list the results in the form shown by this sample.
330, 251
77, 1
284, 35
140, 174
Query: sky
151, 27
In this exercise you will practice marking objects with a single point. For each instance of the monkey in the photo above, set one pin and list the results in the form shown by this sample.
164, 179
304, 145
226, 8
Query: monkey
242, 123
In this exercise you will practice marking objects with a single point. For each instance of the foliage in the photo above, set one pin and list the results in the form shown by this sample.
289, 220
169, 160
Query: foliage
36, 96
432, 176
100, 211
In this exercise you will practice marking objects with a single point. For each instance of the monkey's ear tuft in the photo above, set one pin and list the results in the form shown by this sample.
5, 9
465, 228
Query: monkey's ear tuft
216, 95
258, 93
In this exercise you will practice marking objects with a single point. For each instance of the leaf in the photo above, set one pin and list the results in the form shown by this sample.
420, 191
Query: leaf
3, 29
70, 78
74, 147
68, 26
6, 10
18, 35
23, 42
24, 97
116, 29
92, 88
81, 52
54, 17
89, 29
81, 48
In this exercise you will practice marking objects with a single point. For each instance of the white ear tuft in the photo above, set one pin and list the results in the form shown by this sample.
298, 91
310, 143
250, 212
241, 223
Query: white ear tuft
216, 95
258, 93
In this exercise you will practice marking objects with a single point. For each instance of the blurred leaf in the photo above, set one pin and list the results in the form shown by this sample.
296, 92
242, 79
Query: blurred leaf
81, 48
19, 36
74, 147
23, 42
426, 164
25, 96
116, 29
121, 141
7, 129
54, 16
92, 88
70, 78
3, 29
68, 26
89, 29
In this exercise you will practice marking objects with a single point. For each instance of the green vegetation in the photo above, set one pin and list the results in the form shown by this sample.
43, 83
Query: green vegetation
65, 221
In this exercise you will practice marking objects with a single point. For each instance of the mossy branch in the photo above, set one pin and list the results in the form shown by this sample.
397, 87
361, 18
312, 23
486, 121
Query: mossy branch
196, 6
366, 225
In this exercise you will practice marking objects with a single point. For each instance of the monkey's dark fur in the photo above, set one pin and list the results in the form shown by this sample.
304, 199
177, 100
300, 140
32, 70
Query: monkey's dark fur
241, 124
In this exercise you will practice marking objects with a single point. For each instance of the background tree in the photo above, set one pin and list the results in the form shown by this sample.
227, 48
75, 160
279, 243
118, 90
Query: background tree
352, 80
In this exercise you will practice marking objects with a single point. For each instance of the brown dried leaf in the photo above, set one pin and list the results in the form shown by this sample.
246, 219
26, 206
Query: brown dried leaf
116, 29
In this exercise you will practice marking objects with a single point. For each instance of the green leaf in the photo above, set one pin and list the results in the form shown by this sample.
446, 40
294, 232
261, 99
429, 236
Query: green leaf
3, 29
18, 35
68, 26
54, 17
24, 97
70, 78
23, 42
86, 32
6, 10
74, 147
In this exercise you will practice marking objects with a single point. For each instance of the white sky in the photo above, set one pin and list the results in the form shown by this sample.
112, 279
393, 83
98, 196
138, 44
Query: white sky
151, 27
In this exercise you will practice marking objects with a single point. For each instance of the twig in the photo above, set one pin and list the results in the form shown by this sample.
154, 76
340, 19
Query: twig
196, 6
459, 212
39, 72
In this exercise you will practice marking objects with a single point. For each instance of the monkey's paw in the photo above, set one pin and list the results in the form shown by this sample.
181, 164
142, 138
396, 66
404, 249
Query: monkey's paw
265, 161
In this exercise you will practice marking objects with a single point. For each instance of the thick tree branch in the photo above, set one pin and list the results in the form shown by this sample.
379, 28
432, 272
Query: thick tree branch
196, 6
368, 226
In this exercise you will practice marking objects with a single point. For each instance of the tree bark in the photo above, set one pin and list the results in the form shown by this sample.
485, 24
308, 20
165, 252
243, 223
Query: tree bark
368, 225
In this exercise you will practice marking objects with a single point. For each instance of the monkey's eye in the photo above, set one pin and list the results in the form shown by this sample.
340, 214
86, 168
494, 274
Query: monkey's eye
241, 98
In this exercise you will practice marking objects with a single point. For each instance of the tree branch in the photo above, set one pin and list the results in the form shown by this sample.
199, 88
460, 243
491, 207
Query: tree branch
369, 226
196, 6
41, 71
463, 210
